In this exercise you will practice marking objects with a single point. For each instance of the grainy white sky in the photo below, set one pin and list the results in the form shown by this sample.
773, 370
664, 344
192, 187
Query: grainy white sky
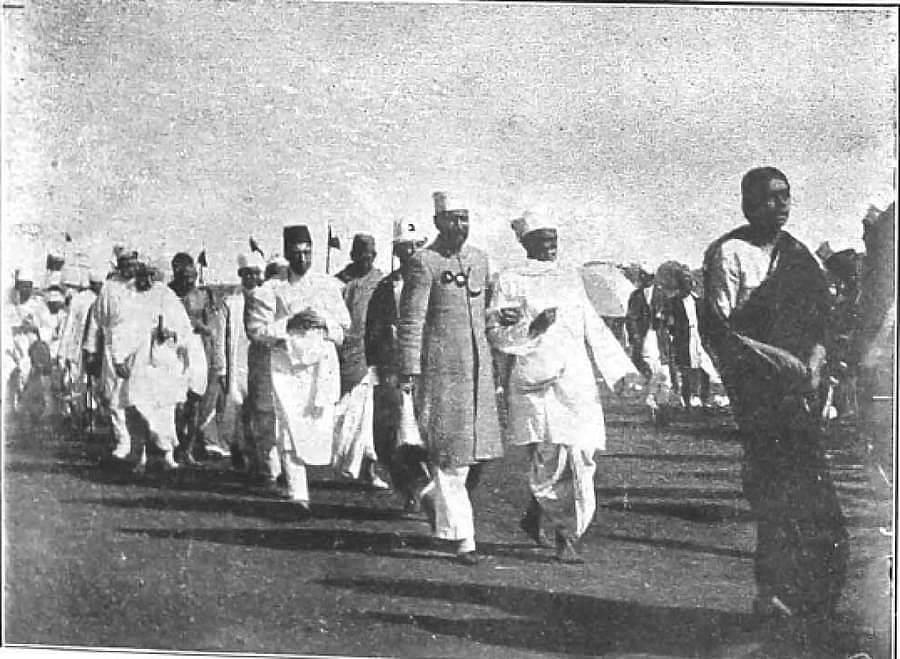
190, 125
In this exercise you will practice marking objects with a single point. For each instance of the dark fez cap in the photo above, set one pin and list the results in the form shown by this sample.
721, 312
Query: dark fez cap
298, 233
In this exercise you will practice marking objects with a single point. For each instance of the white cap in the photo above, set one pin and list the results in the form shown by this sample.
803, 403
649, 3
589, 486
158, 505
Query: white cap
278, 260
73, 275
24, 273
54, 295
251, 261
532, 220
443, 202
407, 232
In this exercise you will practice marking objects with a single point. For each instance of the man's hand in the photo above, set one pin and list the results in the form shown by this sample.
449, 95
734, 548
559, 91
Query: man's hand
628, 384
406, 382
509, 316
306, 319
542, 322
122, 370
182, 353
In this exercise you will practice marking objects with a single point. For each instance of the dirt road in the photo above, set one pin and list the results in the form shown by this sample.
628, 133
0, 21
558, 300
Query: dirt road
199, 561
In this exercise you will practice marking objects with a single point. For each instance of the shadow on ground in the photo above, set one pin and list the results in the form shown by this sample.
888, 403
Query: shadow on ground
537, 620
399, 545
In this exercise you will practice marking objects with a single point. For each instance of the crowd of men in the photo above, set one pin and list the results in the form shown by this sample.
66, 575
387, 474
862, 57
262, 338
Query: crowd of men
412, 380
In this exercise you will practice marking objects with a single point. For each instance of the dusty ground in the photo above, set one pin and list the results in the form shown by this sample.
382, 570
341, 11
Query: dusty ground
197, 561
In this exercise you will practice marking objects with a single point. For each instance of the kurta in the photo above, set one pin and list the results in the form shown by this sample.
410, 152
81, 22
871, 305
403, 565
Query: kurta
158, 381
73, 331
305, 373
107, 314
357, 294
441, 336
562, 404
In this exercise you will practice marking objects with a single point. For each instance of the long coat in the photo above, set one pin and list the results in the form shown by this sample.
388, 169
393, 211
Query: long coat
441, 337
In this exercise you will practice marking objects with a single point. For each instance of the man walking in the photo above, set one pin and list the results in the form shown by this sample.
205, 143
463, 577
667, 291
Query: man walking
382, 354
541, 315
106, 315
445, 359
301, 321
768, 303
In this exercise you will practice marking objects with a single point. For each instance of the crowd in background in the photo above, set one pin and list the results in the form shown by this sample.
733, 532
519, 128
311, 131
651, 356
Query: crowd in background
412, 379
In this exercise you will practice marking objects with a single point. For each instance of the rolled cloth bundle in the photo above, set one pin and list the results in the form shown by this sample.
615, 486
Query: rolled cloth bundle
780, 360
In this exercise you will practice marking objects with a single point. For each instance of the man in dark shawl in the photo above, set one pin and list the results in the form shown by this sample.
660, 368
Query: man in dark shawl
767, 304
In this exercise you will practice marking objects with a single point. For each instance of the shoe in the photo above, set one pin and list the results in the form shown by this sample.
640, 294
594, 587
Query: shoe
168, 463
531, 525
771, 607
302, 504
467, 558
377, 483
695, 401
121, 454
565, 550
213, 451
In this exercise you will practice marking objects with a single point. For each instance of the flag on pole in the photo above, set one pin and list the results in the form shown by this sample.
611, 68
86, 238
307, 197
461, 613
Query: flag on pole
201, 261
254, 247
68, 237
333, 241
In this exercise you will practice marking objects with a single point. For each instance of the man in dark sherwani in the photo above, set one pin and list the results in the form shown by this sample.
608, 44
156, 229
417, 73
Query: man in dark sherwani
446, 360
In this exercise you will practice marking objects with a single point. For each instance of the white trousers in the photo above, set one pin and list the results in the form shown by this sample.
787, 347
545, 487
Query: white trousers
453, 509
295, 474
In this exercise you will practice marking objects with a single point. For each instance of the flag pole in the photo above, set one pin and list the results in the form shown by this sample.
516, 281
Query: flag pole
328, 252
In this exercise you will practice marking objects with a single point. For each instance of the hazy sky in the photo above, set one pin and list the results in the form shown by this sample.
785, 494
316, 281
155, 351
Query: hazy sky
189, 125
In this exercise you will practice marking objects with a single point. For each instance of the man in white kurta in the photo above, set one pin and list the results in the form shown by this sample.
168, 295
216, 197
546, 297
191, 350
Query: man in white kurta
541, 315
148, 348
106, 315
302, 320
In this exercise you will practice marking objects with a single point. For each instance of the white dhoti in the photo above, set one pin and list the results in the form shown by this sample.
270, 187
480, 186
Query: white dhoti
306, 381
454, 519
561, 479
354, 440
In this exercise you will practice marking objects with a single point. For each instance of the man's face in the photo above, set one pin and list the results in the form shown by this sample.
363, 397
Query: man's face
299, 256
55, 305
364, 259
453, 228
143, 278
541, 248
126, 267
25, 288
189, 277
770, 206
250, 278
404, 251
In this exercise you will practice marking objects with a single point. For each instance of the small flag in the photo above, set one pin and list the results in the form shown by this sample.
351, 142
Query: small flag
201, 259
254, 247
68, 237
333, 241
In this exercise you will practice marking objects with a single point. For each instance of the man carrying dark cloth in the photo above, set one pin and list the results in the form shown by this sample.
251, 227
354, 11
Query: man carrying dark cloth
767, 301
